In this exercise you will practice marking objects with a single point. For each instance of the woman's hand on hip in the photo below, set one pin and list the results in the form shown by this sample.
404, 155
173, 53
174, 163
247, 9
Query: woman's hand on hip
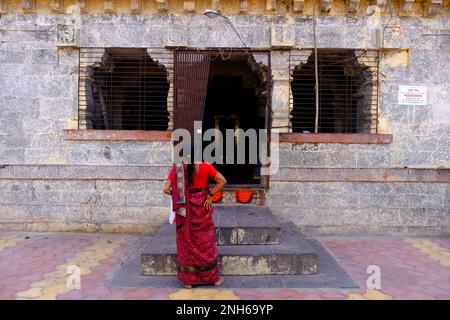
208, 202
167, 187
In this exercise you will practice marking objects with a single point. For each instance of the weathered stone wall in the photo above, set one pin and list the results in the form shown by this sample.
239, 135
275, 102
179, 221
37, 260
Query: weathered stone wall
363, 208
38, 100
371, 205
361, 200
82, 198
39, 81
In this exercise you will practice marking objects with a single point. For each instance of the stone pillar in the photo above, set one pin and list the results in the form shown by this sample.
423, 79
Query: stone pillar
369, 89
281, 88
170, 97
96, 56
165, 57
297, 58
339, 103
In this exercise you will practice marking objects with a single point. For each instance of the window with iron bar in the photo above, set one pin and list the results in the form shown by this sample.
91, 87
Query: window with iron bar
122, 89
348, 91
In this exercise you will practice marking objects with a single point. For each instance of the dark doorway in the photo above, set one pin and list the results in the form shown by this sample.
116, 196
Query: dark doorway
236, 98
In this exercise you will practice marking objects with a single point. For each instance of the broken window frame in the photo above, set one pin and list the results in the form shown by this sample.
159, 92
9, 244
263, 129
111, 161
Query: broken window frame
92, 60
367, 61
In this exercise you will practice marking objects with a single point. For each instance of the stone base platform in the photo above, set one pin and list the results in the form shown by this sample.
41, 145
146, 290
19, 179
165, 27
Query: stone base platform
250, 242
293, 256
331, 274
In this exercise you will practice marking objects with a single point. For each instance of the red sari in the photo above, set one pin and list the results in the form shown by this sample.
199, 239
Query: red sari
196, 249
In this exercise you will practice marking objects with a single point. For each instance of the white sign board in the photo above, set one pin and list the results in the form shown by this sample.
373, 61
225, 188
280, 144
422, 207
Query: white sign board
412, 95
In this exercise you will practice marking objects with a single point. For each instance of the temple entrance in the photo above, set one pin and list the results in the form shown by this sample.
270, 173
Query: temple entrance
237, 98
226, 89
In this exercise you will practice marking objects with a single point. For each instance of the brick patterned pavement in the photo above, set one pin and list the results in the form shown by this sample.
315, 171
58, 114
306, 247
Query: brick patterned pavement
34, 266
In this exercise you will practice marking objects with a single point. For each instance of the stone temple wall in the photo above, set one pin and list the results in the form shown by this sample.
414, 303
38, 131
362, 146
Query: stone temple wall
49, 182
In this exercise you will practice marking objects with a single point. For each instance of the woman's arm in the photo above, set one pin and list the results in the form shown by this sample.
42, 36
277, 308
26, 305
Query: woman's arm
220, 183
167, 187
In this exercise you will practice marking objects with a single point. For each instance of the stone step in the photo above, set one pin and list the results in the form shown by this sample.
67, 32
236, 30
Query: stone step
294, 256
238, 224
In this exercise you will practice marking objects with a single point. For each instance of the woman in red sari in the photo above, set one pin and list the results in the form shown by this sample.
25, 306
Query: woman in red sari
192, 201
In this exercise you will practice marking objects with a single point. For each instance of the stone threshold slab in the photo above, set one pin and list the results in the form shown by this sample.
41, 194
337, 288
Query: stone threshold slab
246, 224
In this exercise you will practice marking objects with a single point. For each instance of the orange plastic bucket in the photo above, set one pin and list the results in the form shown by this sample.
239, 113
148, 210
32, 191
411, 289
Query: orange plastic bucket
244, 196
217, 197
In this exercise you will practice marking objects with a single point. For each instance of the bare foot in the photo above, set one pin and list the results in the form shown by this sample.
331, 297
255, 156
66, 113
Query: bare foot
219, 282
186, 286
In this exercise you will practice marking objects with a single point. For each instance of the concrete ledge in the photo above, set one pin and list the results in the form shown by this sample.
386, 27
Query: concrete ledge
151, 229
125, 172
376, 231
362, 175
116, 135
70, 226
83, 172
142, 135
347, 138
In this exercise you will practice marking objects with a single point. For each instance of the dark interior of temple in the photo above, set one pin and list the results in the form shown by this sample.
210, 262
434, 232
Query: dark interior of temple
129, 92
340, 107
236, 99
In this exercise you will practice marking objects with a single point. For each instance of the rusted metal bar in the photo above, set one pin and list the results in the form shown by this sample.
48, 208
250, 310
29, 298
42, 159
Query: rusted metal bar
348, 91
191, 81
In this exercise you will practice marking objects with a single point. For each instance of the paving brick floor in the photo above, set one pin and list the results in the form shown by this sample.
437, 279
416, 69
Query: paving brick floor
36, 265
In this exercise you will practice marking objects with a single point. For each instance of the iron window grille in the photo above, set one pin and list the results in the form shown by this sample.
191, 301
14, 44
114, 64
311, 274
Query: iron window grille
121, 89
348, 91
